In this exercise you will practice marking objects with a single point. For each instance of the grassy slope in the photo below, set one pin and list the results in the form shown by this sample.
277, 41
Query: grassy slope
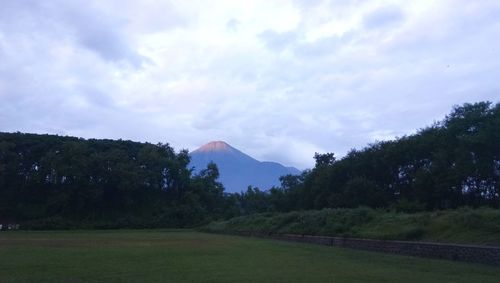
185, 256
480, 226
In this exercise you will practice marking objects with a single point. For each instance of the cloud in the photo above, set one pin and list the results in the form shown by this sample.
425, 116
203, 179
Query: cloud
279, 80
383, 17
278, 40
107, 43
232, 25
101, 33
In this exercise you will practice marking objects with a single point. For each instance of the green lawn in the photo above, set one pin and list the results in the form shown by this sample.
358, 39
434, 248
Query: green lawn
187, 256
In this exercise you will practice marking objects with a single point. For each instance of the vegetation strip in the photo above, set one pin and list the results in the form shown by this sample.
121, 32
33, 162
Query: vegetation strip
467, 253
459, 226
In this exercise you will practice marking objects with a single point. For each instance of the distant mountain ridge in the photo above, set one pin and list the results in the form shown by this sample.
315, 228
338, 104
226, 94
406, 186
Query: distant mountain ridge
237, 169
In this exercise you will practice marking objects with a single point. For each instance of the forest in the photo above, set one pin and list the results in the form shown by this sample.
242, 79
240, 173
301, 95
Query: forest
49, 181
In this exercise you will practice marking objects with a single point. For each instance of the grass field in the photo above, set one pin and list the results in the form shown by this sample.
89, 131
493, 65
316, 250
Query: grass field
187, 256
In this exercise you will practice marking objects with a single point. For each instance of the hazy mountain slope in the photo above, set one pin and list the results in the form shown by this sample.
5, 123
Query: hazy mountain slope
238, 170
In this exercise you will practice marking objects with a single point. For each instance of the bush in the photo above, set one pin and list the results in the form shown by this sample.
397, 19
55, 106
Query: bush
464, 225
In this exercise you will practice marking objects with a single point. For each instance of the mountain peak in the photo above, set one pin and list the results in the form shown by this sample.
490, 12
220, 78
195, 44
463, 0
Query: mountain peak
215, 146
237, 169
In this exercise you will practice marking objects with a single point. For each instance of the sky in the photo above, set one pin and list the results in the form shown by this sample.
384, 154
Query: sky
279, 80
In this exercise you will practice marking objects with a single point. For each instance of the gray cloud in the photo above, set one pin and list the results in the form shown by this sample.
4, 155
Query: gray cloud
108, 44
92, 28
101, 33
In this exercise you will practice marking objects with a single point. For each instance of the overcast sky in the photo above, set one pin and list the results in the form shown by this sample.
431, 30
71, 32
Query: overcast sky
278, 80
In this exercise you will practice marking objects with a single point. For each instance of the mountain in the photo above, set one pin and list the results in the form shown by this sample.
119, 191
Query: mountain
238, 170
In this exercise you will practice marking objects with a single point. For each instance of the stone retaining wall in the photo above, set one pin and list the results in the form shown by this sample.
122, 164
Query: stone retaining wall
468, 253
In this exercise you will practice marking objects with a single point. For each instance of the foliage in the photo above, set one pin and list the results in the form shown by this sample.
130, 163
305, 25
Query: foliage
453, 163
464, 225
55, 182
49, 181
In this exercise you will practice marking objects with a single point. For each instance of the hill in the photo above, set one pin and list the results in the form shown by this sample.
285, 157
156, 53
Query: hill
237, 169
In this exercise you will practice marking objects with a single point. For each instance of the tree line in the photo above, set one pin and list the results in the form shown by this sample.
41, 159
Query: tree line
455, 162
54, 181
48, 180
